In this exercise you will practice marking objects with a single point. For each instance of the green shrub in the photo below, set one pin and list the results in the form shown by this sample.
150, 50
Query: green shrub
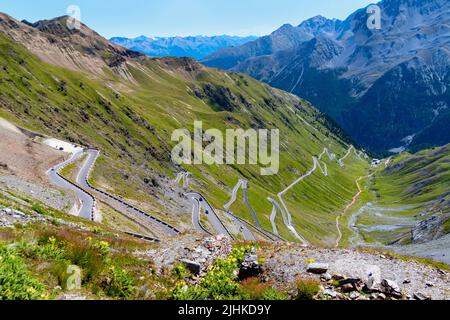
119, 283
181, 271
48, 250
39, 209
253, 289
93, 257
272, 295
16, 282
220, 283
307, 289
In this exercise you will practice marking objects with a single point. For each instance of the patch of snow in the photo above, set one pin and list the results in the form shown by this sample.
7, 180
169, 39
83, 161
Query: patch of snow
63, 145
397, 150
407, 141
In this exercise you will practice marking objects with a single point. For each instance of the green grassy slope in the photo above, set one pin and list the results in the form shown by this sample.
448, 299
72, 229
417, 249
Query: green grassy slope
131, 122
413, 188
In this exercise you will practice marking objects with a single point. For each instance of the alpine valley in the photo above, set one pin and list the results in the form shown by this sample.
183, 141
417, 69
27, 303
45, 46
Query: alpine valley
88, 185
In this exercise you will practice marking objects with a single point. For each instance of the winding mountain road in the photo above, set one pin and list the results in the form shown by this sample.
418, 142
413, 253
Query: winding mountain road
86, 200
185, 177
248, 235
87, 210
199, 202
244, 185
83, 177
287, 217
83, 188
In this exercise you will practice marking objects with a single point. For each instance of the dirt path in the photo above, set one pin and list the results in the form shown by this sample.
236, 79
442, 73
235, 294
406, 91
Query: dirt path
355, 198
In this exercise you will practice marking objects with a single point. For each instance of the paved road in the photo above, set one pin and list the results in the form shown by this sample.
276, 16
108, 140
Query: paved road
289, 224
185, 177
82, 180
82, 188
234, 194
248, 235
86, 200
249, 207
199, 203
267, 234
287, 217
244, 185
196, 216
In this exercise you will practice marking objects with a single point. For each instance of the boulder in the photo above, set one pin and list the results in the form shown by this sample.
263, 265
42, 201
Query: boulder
349, 285
421, 296
326, 277
337, 277
330, 293
355, 295
192, 266
250, 267
391, 288
318, 268
373, 278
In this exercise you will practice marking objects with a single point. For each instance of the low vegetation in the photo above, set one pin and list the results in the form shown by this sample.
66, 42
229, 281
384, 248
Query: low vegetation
16, 281
307, 289
36, 263
222, 282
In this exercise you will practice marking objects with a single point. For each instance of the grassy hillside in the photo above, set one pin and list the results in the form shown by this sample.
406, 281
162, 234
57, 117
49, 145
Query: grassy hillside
412, 189
131, 119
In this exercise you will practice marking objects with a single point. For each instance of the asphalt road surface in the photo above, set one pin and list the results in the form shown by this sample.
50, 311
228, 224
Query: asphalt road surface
86, 200
199, 203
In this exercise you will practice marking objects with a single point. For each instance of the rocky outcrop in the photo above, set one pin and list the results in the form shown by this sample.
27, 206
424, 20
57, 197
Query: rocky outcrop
197, 254
250, 266
318, 268
429, 228
356, 275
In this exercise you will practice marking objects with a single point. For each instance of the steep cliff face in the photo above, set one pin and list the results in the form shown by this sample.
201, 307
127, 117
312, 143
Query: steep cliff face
367, 80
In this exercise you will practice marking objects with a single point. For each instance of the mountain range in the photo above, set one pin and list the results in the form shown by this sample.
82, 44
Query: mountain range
388, 88
196, 47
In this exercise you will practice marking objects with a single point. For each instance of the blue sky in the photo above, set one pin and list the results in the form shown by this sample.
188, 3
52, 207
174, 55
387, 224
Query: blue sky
132, 18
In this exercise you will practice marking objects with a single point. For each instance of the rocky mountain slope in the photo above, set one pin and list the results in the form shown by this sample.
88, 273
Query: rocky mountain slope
78, 49
196, 47
387, 88
76, 86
